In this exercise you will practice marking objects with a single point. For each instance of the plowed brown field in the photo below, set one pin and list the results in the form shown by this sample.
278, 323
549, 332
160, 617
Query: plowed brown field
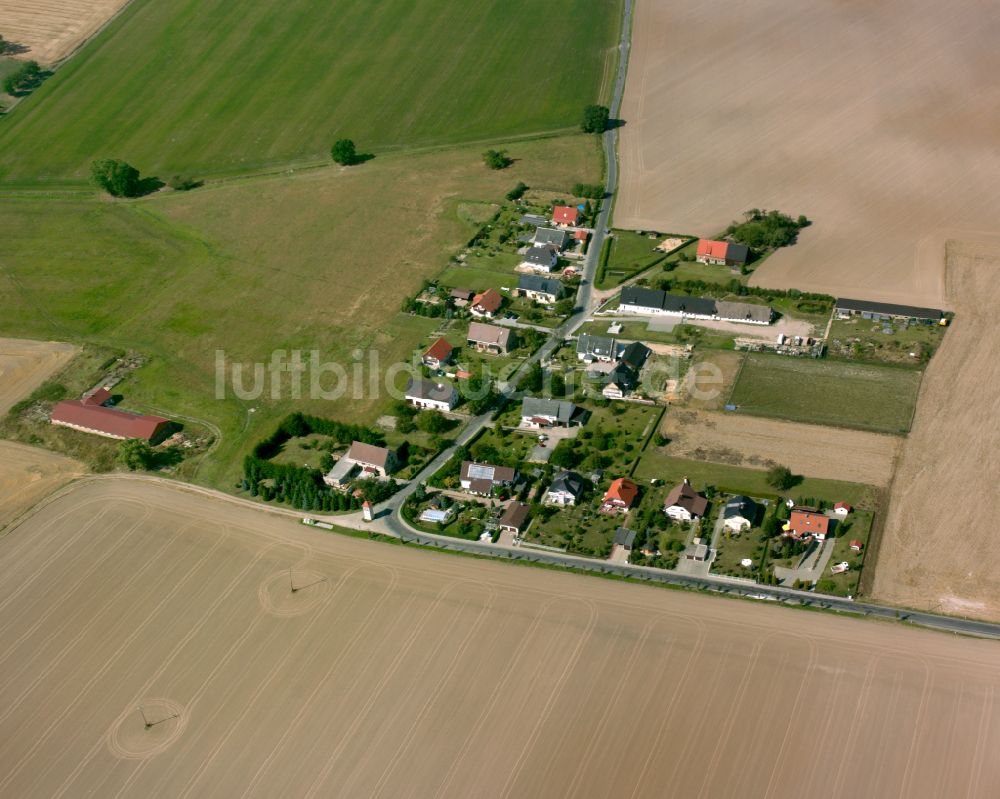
877, 120
153, 646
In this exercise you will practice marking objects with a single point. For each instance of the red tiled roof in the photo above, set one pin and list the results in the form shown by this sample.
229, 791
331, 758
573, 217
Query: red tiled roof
98, 397
713, 249
565, 215
808, 523
581, 235
440, 350
856, 544
842, 506
490, 300
623, 490
109, 421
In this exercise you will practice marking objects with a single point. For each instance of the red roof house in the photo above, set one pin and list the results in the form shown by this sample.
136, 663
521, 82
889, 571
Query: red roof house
437, 354
565, 215
721, 253
90, 416
842, 508
621, 495
487, 303
807, 523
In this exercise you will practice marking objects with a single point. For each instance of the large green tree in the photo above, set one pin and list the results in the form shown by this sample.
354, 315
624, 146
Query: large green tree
116, 177
344, 152
595, 119
135, 454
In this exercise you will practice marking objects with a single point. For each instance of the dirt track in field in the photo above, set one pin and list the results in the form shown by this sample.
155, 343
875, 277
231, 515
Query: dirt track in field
50, 30
876, 120
25, 365
940, 547
811, 450
393, 671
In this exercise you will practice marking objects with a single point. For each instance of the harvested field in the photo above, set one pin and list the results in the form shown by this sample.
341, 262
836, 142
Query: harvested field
400, 672
28, 474
936, 553
840, 111
25, 365
851, 455
838, 393
50, 30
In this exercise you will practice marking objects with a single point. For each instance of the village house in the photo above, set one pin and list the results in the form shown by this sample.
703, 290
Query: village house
438, 354
885, 311
565, 216
596, 348
486, 304
491, 338
634, 355
91, 415
550, 237
619, 382
739, 514
482, 478
804, 523
540, 289
515, 518
722, 253
566, 489
620, 496
539, 412
684, 504
427, 394
363, 460
540, 258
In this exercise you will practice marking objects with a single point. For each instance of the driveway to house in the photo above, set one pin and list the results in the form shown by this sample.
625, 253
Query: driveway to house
812, 568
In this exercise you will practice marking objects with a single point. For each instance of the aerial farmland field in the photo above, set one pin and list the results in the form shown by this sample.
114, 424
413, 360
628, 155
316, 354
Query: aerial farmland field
153, 646
864, 396
215, 87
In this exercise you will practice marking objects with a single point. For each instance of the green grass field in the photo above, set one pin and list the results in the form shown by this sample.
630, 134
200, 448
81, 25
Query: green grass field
862, 396
630, 254
214, 87
321, 260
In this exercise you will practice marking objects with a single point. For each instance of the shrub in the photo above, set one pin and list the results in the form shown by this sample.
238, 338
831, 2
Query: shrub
517, 192
183, 183
592, 191
116, 177
497, 159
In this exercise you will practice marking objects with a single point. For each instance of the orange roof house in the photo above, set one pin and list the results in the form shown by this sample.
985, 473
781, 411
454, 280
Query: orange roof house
438, 353
724, 253
620, 496
487, 303
805, 523
565, 215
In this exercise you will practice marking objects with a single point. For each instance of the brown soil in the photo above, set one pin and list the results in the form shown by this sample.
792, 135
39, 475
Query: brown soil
811, 450
140, 658
25, 365
940, 546
841, 111
50, 30
27, 474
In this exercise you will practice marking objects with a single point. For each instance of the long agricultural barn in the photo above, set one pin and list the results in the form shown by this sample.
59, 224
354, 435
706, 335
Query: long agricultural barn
885, 310
91, 416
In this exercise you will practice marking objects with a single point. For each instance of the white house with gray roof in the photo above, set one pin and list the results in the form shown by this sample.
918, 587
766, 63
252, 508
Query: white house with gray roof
540, 259
548, 236
539, 412
596, 348
547, 290
429, 395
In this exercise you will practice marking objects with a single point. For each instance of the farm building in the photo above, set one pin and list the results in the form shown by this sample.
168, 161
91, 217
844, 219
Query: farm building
462, 295
428, 394
884, 311
739, 514
487, 303
540, 289
540, 258
620, 496
596, 348
90, 415
566, 489
490, 338
550, 237
684, 504
374, 461
565, 216
515, 518
722, 253
743, 312
437, 354
481, 478
539, 412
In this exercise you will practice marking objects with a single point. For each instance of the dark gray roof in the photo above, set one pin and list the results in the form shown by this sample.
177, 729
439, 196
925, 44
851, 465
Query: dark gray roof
621, 376
737, 252
540, 256
534, 219
740, 506
602, 346
743, 311
889, 309
549, 285
644, 298
570, 482
625, 537
691, 305
635, 354
553, 236
429, 390
540, 406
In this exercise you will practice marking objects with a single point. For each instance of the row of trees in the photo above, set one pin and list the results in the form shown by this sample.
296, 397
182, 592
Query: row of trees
23, 79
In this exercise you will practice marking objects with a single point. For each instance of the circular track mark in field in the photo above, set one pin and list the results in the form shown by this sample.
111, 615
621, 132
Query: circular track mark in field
295, 593
147, 729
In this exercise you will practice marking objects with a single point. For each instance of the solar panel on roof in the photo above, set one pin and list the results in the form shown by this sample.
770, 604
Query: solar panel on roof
478, 471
